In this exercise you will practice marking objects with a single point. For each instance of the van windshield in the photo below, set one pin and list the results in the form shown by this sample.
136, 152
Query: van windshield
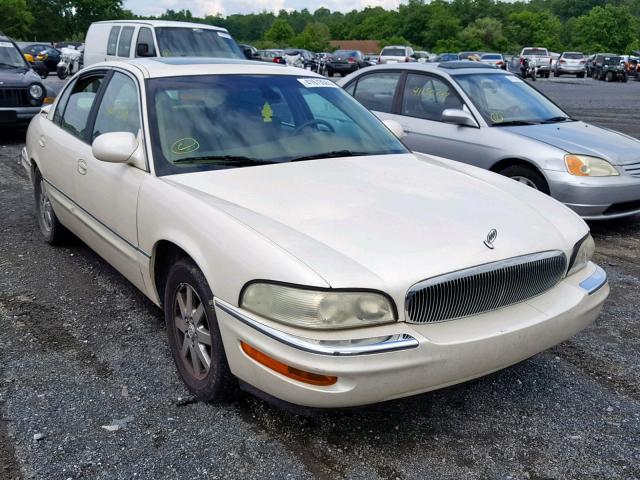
196, 42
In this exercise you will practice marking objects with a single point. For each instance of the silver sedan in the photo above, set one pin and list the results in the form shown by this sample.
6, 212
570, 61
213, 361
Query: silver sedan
492, 119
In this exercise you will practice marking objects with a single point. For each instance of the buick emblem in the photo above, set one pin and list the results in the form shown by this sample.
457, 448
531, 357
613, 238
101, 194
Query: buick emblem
491, 238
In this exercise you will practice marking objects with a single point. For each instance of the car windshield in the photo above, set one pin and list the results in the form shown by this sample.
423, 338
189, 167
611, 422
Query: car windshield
10, 56
573, 56
226, 121
613, 60
393, 52
196, 42
505, 99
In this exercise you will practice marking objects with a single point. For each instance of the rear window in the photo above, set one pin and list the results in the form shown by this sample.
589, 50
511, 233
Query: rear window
345, 53
393, 52
536, 51
573, 56
113, 40
491, 57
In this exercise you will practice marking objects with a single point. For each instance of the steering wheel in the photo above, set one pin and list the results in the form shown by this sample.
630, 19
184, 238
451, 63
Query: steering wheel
315, 121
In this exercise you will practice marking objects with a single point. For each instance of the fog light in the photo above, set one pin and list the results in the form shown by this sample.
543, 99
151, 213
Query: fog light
286, 370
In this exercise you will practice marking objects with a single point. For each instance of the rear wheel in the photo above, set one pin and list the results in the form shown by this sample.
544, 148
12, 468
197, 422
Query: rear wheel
526, 175
50, 227
329, 73
193, 333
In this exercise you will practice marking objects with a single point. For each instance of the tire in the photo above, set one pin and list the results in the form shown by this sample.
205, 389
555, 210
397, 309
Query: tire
580, 75
608, 77
62, 73
52, 230
624, 79
187, 325
329, 73
526, 175
44, 73
556, 74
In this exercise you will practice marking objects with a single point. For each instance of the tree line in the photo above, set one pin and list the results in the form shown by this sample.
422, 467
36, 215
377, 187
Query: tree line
436, 26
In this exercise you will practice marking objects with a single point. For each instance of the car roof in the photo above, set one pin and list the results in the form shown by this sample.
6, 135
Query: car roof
158, 67
166, 23
454, 67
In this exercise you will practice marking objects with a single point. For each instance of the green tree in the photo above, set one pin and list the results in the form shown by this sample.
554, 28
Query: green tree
314, 37
280, 33
531, 28
607, 28
15, 18
484, 34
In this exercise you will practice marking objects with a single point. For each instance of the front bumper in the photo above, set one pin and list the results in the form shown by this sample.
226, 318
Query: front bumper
17, 115
596, 198
418, 358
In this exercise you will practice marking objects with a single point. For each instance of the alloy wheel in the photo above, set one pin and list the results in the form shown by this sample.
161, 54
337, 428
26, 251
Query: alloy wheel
192, 331
527, 181
46, 210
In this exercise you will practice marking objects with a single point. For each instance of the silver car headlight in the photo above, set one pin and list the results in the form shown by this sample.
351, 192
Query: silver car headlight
582, 254
317, 309
36, 91
585, 166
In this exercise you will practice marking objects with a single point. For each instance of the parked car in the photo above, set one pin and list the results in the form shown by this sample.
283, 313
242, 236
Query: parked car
345, 62
573, 63
42, 52
308, 58
396, 54
272, 56
541, 58
473, 56
302, 250
591, 62
371, 59
22, 93
630, 64
495, 60
492, 119
250, 52
608, 67
447, 57
118, 39
421, 56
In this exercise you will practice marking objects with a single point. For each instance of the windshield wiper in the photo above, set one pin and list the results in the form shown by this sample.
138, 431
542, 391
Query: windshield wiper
557, 119
512, 123
331, 154
227, 160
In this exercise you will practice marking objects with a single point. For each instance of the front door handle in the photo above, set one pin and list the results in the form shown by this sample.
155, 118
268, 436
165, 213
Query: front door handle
82, 167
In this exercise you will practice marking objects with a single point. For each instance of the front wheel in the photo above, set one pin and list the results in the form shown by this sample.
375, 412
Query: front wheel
62, 72
526, 175
193, 333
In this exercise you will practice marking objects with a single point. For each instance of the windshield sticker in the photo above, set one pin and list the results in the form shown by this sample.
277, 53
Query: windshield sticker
184, 146
317, 83
224, 35
497, 117
267, 113
6, 45
513, 78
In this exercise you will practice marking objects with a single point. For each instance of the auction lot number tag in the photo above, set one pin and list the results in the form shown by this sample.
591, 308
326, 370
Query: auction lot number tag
6, 44
317, 83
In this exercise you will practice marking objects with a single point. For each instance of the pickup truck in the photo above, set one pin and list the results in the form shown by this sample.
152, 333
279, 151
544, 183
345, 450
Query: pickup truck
540, 56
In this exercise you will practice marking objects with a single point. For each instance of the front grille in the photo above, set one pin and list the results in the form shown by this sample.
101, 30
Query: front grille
633, 169
14, 97
484, 288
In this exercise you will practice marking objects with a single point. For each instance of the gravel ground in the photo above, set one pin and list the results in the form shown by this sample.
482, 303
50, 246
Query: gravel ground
81, 349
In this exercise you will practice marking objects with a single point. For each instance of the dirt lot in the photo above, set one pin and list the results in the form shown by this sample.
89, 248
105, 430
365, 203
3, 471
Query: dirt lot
80, 349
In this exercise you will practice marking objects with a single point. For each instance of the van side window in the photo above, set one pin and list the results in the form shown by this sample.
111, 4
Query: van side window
145, 37
124, 45
113, 40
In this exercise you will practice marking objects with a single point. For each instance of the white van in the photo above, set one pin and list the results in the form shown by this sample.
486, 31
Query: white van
118, 39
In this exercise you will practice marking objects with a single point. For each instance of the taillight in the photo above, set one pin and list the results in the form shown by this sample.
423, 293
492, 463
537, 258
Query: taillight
522, 60
407, 59
582, 62
351, 60
563, 61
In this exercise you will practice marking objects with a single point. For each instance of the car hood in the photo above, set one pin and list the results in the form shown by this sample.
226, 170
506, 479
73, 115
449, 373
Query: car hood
583, 138
17, 78
387, 221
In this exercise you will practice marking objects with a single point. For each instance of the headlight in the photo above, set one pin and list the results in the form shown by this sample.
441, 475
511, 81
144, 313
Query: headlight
582, 253
36, 91
584, 166
330, 309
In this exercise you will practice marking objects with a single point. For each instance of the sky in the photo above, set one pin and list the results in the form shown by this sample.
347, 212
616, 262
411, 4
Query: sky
200, 8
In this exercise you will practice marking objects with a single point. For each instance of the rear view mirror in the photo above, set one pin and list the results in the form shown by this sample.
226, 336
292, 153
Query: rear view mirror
395, 128
458, 117
114, 147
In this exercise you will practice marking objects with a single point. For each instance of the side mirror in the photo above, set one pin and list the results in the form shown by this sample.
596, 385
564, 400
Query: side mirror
114, 147
458, 117
142, 50
395, 128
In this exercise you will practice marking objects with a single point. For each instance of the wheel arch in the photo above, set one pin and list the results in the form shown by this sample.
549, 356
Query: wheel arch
508, 162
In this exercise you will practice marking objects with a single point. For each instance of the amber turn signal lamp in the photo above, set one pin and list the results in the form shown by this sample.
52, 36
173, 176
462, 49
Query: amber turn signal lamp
48, 100
576, 166
286, 370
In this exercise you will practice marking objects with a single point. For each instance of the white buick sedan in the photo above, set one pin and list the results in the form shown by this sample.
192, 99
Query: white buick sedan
294, 243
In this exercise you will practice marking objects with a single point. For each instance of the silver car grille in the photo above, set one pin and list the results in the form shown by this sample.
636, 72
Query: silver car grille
484, 288
633, 169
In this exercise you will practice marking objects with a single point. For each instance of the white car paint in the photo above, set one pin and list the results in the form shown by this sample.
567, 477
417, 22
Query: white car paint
376, 222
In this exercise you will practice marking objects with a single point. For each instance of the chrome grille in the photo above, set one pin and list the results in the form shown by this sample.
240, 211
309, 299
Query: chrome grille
633, 169
484, 288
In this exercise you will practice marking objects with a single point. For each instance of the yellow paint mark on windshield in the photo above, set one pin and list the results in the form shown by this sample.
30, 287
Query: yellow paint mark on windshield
184, 146
497, 117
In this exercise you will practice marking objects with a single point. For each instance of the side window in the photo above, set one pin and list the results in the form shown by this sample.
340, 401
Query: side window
62, 102
75, 116
113, 40
145, 37
119, 110
124, 45
376, 91
427, 97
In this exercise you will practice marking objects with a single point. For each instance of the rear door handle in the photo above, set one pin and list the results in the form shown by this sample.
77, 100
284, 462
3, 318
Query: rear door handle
82, 167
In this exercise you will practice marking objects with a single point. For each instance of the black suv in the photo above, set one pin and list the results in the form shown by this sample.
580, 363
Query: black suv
609, 67
22, 94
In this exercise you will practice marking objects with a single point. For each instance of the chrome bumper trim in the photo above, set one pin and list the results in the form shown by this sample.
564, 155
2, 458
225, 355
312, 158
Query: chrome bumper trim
595, 281
386, 344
